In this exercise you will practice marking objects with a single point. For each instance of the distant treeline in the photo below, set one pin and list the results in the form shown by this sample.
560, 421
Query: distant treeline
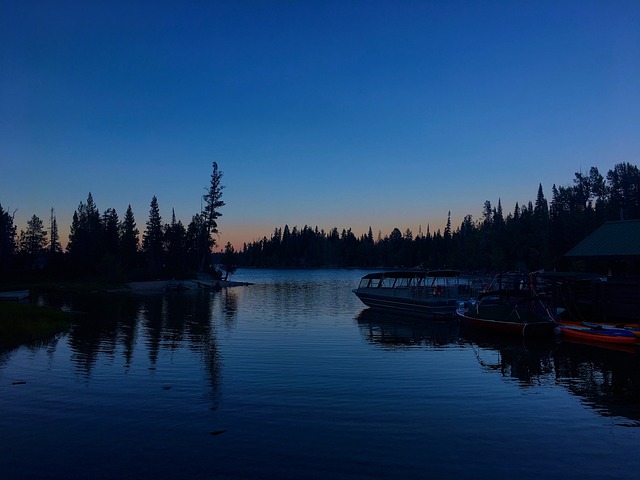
105, 246
535, 235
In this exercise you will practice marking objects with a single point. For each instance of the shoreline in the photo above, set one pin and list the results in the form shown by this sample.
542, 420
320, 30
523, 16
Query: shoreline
155, 286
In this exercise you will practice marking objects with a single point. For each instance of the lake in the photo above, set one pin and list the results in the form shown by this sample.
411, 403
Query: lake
292, 377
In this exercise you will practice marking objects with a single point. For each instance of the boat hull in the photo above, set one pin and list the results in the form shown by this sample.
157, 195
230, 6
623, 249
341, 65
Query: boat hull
432, 308
522, 329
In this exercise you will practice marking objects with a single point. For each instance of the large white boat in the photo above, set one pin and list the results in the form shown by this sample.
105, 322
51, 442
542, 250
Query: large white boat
432, 293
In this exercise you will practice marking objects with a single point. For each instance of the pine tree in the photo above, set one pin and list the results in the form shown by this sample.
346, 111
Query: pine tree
175, 241
211, 212
229, 260
624, 191
197, 242
129, 239
498, 217
447, 228
7, 240
152, 239
33, 241
54, 239
85, 238
94, 226
541, 209
111, 233
213, 201
487, 214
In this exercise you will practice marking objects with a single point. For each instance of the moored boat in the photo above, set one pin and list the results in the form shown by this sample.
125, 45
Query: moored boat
630, 328
598, 333
514, 305
417, 292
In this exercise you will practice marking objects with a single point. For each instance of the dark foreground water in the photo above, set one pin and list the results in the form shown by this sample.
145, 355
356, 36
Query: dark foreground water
294, 378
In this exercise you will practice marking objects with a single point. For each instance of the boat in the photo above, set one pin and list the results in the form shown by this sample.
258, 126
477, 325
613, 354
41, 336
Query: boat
633, 329
433, 293
514, 304
598, 333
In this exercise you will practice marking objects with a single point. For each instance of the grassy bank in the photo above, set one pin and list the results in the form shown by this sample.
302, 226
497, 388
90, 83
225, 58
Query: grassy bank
87, 285
23, 323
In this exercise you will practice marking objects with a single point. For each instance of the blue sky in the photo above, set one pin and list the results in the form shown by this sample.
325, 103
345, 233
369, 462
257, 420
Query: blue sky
347, 114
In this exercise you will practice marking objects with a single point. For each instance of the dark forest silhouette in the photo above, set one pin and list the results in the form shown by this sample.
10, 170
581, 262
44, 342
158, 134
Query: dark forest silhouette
537, 235
103, 245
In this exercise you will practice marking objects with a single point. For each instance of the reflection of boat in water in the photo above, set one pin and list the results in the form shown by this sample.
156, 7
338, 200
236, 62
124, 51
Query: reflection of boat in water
528, 360
605, 376
431, 293
395, 330
606, 380
595, 333
514, 304
497, 342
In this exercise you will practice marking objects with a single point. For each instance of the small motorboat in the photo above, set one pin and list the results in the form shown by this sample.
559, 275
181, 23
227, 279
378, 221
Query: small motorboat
515, 304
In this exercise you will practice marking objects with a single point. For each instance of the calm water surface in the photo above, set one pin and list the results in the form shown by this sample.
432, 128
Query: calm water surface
293, 377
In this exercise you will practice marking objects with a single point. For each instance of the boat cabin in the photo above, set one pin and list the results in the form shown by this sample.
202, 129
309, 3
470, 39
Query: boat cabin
408, 278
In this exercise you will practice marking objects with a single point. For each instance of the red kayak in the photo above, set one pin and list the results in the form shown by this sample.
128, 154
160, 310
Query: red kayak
598, 334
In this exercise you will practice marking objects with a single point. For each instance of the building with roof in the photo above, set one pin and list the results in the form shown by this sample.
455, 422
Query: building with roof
612, 249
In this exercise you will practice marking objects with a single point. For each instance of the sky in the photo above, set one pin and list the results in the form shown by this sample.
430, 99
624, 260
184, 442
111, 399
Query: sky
347, 114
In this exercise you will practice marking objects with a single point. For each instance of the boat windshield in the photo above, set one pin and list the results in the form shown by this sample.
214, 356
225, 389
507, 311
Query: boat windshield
404, 282
387, 282
390, 281
370, 282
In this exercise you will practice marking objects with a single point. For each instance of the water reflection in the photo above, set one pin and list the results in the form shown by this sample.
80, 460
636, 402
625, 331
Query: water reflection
390, 330
291, 378
48, 344
606, 380
528, 361
229, 305
128, 332
125, 326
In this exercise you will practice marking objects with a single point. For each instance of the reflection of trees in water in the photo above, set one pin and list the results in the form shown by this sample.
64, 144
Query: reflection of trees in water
168, 322
229, 306
49, 344
606, 380
97, 332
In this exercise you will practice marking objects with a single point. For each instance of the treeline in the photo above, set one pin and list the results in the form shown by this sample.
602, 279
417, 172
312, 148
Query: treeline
536, 234
102, 244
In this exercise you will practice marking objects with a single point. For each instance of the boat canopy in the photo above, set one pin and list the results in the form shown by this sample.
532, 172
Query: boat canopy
413, 274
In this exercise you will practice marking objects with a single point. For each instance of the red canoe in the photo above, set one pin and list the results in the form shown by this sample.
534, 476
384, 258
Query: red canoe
596, 334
